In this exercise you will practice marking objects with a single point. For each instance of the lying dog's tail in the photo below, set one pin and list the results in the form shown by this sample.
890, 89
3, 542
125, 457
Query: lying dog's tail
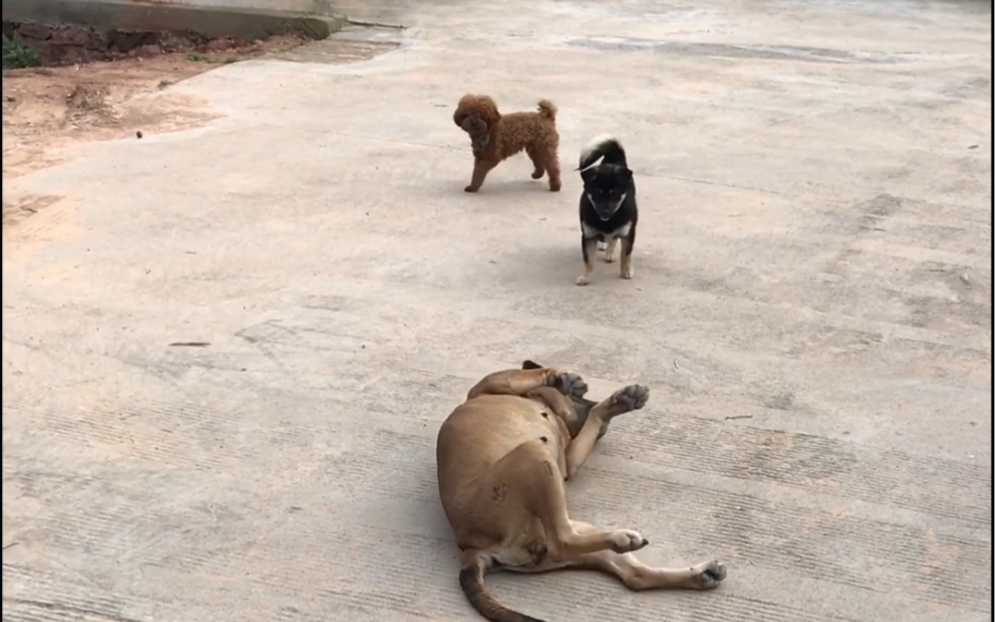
471, 579
547, 109
604, 146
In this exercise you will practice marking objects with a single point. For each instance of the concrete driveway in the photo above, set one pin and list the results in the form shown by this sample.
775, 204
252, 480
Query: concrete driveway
811, 308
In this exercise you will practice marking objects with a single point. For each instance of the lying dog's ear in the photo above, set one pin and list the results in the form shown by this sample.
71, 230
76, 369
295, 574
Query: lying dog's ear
530, 364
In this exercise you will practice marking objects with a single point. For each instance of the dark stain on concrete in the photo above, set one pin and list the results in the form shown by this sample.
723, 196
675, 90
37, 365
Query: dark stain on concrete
721, 50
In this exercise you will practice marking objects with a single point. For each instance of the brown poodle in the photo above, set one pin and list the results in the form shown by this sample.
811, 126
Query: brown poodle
496, 137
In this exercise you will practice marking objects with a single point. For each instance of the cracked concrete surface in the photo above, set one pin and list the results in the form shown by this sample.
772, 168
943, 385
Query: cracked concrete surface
811, 308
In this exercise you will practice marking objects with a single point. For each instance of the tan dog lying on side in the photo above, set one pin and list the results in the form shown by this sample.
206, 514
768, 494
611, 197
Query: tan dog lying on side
503, 456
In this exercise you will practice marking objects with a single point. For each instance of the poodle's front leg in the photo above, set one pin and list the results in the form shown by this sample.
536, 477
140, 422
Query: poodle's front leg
480, 169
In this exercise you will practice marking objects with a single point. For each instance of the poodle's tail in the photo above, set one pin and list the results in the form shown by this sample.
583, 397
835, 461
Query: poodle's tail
547, 109
603, 146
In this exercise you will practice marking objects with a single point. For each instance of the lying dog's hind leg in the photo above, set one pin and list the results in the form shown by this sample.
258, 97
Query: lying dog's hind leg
539, 489
521, 381
638, 576
633, 573
626, 399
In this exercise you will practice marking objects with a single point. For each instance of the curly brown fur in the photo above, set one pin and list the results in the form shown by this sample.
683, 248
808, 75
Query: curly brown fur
495, 137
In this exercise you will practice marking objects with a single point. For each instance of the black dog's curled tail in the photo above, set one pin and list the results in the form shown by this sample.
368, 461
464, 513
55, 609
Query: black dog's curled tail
604, 146
471, 579
547, 109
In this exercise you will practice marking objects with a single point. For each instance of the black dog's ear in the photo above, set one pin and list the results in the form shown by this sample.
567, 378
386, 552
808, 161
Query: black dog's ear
588, 175
530, 364
624, 175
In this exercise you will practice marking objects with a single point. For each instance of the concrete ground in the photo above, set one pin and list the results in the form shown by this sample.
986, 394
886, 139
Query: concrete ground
811, 308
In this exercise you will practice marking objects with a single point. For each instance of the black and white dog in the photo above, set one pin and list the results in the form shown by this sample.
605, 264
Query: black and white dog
607, 207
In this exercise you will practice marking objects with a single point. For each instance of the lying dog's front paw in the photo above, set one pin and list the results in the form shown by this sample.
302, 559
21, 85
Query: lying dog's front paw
708, 575
626, 541
570, 383
632, 397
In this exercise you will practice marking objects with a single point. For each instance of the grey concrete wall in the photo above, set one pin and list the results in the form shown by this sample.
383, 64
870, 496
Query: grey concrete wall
244, 19
302, 6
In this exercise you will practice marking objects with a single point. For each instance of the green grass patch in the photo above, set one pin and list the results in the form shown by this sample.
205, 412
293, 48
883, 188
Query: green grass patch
16, 54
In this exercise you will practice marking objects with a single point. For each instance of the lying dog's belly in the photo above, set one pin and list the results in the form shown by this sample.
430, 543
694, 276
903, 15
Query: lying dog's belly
477, 435
494, 426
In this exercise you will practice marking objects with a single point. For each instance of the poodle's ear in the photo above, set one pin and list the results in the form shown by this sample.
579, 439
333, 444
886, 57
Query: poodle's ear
530, 364
463, 108
489, 111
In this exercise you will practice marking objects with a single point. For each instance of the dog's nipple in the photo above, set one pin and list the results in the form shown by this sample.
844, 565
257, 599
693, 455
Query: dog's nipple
544, 439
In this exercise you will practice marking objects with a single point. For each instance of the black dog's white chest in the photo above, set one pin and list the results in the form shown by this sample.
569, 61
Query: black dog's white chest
605, 236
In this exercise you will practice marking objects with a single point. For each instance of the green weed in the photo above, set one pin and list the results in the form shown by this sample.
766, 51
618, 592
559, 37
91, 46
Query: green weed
16, 54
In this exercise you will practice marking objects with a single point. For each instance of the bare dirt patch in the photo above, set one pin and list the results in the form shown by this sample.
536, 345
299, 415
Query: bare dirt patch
49, 108
46, 109
16, 210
